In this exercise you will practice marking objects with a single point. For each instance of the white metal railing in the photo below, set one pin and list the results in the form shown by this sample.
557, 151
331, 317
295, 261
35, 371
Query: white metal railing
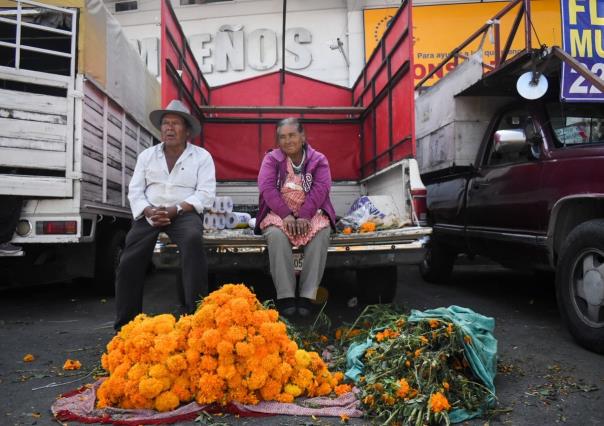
19, 23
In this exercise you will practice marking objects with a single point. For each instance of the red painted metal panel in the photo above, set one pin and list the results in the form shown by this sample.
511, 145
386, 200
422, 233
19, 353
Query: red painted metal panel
381, 79
374, 63
367, 97
394, 112
257, 91
382, 133
368, 147
400, 56
397, 27
303, 91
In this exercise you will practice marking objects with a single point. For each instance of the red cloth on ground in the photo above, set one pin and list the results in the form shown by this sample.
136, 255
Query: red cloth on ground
79, 406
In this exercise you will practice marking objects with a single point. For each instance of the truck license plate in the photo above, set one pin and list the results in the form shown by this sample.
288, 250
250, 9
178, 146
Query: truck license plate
298, 261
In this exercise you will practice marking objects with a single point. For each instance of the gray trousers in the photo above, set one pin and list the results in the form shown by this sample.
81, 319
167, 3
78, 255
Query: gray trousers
187, 232
282, 263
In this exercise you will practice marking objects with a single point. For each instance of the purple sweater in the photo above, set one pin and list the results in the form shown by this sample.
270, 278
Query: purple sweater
316, 183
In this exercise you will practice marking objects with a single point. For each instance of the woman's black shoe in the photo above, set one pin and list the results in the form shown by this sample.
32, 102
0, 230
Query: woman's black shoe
287, 306
304, 307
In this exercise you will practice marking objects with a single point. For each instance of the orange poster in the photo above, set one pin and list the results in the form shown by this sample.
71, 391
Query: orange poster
438, 29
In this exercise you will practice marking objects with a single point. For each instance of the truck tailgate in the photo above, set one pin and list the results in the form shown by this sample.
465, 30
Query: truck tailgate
246, 238
242, 249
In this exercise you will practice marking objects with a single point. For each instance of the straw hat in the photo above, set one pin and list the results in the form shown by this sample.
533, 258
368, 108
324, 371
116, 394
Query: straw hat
176, 107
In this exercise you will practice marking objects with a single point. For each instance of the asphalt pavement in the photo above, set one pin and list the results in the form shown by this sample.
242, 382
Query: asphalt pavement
543, 376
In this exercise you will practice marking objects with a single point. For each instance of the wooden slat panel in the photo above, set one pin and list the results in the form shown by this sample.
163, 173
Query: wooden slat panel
33, 159
34, 186
32, 144
19, 129
33, 102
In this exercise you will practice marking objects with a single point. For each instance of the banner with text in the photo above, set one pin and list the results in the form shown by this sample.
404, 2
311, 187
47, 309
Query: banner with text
583, 39
455, 22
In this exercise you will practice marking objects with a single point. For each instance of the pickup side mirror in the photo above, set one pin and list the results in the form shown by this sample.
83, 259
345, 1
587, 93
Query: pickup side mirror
509, 141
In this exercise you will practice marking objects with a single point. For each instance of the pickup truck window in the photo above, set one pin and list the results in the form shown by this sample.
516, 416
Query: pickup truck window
576, 124
516, 119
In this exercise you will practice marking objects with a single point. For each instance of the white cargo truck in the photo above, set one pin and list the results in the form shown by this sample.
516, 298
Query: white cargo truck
74, 102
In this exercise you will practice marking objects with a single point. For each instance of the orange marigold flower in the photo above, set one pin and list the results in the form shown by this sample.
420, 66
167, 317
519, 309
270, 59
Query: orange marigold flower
438, 402
446, 385
407, 363
347, 230
434, 323
417, 353
369, 400
367, 227
302, 358
342, 389
467, 339
423, 340
28, 358
449, 329
166, 401
293, 390
354, 332
344, 418
158, 371
403, 388
72, 364
150, 387
388, 399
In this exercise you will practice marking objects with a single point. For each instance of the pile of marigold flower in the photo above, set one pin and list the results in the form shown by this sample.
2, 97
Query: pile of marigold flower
231, 349
414, 373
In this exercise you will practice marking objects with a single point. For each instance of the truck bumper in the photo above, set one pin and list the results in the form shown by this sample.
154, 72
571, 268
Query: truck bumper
225, 258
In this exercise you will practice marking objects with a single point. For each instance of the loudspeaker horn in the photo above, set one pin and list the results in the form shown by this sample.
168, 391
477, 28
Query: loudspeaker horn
530, 88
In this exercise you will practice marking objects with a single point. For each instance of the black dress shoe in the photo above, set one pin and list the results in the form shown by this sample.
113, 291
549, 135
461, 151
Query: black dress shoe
305, 307
287, 306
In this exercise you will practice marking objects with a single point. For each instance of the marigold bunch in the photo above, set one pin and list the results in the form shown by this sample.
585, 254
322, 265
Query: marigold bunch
231, 349
413, 372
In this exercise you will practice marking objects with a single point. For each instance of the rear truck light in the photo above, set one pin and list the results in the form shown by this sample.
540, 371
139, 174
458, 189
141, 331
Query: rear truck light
55, 227
420, 208
23, 228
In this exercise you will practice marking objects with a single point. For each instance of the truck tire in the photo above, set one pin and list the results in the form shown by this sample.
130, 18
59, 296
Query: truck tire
109, 250
580, 284
438, 263
377, 285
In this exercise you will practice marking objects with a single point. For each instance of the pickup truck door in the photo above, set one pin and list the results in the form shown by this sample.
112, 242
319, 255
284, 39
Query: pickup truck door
502, 197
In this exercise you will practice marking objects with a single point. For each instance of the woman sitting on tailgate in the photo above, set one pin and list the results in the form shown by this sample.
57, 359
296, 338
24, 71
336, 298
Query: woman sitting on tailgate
295, 210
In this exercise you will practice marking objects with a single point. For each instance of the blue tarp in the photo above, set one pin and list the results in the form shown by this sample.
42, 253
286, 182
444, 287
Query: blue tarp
481, 353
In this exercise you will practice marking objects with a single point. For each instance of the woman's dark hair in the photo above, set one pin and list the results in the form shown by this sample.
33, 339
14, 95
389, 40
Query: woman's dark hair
290, 121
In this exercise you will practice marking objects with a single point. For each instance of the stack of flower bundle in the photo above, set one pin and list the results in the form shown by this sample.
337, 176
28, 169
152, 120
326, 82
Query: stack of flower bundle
414, 372
231, 349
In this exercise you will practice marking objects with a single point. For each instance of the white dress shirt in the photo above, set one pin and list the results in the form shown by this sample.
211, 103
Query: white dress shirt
192, 180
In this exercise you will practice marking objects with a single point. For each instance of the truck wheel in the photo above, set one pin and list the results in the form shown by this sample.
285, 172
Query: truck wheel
109, 251
580, 284
377, 285
438, 263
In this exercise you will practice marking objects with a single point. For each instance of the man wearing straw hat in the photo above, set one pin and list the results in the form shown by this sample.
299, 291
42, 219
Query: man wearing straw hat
172, 184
